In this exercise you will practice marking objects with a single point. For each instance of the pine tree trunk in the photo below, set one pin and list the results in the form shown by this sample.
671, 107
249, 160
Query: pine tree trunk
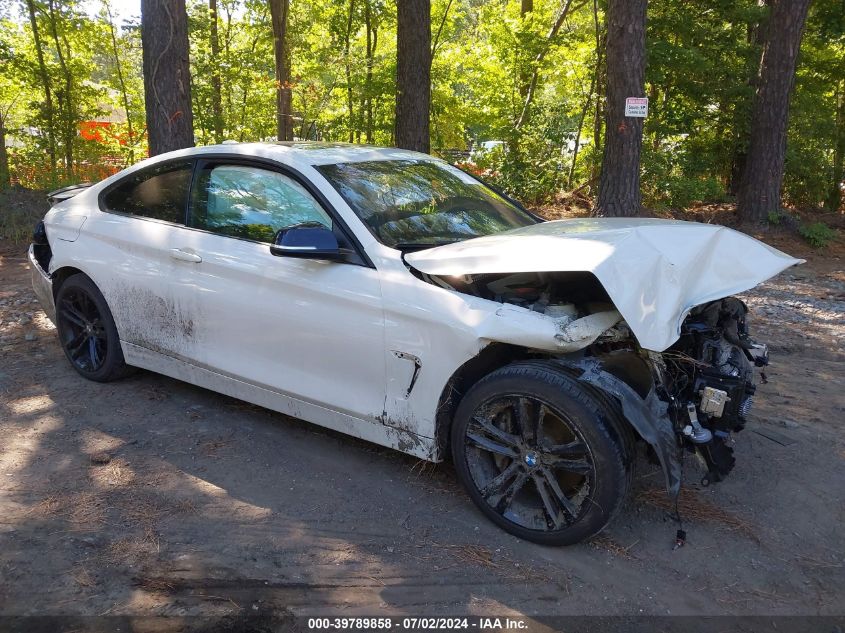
350, 102
413, 75
167, 75
5, 178
66, 105
216, 88
619, 184
834, 197
601, 82
372, 41
742, 104
48, 93
525, 9
760, 185
284, 119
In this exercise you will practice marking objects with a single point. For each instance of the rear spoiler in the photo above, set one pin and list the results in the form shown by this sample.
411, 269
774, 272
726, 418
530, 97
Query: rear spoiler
65, 193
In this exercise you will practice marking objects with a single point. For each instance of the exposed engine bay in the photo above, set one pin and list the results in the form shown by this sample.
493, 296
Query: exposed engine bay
711, 380
693, 395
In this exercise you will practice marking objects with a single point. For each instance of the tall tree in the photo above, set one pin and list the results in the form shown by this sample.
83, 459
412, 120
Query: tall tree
124, 93
347, 60
10, 90
762, 176
5, 179
167, 76
526, 8
601, 83
279, 10
49, 113
65, 95
371, 25
413, 75
216, 88
528, 82
834, 196
743, 102
619, 184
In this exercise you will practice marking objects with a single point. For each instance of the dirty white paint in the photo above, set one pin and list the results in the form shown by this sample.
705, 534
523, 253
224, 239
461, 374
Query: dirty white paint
330, 342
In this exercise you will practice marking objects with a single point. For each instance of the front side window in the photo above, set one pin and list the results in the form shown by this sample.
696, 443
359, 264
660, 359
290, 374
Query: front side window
160, 192
408, 203
252, 203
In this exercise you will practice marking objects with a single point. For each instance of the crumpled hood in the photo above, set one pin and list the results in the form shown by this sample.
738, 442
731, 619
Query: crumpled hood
654, 270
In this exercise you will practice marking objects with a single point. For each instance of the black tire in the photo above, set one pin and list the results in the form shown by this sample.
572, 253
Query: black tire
557, 485
87, 332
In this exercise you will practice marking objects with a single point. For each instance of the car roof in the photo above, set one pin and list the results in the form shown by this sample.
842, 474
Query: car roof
300, 153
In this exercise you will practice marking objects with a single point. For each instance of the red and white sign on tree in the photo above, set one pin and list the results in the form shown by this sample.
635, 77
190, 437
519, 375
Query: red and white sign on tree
636, 107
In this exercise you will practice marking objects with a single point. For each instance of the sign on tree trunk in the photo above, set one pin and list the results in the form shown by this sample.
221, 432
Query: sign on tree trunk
636, 107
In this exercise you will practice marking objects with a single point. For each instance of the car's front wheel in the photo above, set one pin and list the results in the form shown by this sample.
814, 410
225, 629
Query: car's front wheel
539, 453
87, 331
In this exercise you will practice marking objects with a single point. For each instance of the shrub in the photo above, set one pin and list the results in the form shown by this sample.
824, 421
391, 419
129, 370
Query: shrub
818, 234
523, 175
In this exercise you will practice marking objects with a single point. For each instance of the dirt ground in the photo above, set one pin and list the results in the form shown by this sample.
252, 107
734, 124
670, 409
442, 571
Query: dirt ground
152, 497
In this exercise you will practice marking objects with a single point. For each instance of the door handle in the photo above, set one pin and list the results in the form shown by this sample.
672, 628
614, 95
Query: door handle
184, 256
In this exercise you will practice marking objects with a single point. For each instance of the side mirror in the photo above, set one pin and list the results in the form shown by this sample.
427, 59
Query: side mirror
308, 242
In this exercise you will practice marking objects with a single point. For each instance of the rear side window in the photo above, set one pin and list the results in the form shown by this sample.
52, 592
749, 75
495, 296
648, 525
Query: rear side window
160, 192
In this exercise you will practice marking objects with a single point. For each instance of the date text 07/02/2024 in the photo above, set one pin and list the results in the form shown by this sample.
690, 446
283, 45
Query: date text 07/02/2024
418, 623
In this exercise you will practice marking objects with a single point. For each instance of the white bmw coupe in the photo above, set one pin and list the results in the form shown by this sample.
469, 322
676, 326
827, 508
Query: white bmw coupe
390, 296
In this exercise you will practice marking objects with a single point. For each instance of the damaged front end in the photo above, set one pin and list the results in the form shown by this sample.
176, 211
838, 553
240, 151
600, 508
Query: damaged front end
691, 396
710, 371
641, 308
701, 391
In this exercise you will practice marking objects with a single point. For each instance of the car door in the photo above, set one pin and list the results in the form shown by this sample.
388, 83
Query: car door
132, 255
310, 329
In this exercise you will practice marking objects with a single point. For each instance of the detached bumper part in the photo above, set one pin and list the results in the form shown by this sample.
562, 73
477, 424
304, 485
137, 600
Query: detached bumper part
649, 417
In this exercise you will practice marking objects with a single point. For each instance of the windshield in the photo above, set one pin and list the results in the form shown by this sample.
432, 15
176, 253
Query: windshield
421, 202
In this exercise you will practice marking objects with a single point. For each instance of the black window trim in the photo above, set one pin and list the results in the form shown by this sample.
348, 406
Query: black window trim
190, 160
199, 161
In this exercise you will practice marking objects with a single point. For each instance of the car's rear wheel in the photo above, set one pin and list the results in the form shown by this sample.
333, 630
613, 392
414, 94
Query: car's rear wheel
87, 332
540, 454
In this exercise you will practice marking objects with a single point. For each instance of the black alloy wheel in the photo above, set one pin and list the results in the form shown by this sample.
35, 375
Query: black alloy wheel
87, 331
539, 454
83, 334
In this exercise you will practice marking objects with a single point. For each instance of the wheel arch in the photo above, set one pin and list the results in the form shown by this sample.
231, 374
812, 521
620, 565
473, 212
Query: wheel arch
628, 367
62, 274
489, 359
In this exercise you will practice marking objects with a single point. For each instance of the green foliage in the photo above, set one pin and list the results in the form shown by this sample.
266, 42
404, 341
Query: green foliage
674, 178
813, 124
528, 180
486, 57
818, 234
